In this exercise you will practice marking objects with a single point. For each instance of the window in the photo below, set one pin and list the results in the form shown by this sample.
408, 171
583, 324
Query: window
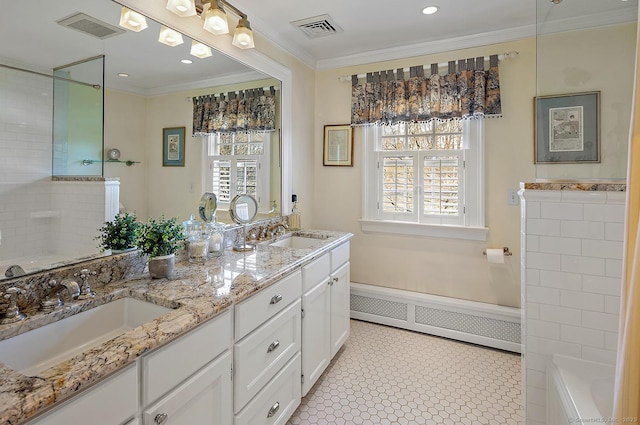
238, 163
425, 178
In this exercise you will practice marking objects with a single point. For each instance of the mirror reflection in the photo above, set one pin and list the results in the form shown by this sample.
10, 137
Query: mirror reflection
47, 222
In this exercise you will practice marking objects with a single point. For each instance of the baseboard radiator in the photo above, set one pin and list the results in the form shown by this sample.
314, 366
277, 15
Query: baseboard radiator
479, 323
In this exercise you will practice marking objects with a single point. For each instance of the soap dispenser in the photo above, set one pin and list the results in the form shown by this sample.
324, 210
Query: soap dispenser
294, 218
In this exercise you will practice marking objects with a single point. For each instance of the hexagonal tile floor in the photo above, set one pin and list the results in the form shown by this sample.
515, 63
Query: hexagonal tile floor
385, 375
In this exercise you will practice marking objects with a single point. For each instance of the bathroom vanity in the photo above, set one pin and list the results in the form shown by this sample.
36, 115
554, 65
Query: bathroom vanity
242, 338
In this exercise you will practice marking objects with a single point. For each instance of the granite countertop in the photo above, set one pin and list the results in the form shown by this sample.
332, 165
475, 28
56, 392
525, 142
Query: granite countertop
197, 292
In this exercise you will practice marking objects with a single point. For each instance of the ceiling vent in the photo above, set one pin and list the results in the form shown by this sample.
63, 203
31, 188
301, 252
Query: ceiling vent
318, 26
89, 25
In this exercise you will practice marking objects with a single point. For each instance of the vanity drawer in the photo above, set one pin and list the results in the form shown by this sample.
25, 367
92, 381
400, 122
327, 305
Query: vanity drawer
258, 308
339, 256
259, 356
315, 272
170, 365
275, 404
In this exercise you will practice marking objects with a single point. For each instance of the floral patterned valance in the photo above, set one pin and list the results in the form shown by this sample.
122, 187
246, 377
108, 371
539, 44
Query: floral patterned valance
466, 91
243, 111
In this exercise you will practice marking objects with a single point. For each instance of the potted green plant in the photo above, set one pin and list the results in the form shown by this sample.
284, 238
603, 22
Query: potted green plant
120, 234
160, 239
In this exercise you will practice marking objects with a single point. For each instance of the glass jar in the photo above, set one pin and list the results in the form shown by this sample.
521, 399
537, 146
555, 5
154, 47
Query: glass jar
198, 248
215, 231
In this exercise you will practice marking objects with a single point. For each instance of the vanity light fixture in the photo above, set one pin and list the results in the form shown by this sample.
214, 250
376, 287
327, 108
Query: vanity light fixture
215, 19
170, 37
430, 10
200, 50
182, 7
132, 20
243, 36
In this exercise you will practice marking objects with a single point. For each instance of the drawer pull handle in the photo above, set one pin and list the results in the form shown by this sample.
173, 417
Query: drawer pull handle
275, 299
273, 410
161, 418
273, 346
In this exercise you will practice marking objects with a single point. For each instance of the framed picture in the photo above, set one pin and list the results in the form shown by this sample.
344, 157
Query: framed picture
338, 145
173, 147
567, 128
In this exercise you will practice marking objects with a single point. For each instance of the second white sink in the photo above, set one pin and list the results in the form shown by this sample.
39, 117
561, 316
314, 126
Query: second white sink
39, 349
297, 242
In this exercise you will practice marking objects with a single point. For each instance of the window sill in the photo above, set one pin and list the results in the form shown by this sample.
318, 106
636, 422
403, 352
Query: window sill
430, 230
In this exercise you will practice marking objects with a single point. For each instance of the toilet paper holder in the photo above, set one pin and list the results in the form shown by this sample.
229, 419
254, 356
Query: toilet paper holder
505, 252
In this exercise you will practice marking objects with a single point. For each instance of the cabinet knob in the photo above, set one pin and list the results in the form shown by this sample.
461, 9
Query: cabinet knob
335, 279
275, 299
273, 346
161, 418
273, 410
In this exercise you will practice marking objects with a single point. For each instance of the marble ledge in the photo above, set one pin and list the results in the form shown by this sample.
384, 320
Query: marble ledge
584, 187
84, 179
196, 293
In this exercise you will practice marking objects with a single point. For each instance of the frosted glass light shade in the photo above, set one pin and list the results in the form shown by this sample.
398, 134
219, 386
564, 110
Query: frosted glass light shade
200, 50
182, 7
132, 20
243, 36
170, 37
215, 21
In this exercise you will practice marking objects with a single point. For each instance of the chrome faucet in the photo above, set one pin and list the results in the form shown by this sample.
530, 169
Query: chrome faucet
54, 299
13, 313
272, 230
85, 291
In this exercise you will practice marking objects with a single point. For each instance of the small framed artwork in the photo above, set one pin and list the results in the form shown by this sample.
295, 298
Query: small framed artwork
173, 147
567, 128
338, 145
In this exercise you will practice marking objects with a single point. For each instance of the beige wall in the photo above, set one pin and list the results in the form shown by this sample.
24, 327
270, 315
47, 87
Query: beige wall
598, 59
438, 266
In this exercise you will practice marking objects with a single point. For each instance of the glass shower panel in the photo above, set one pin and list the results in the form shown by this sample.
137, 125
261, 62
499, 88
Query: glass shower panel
584, 47
78, 105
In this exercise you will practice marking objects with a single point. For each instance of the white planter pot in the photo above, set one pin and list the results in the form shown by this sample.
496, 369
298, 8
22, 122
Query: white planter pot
162, 267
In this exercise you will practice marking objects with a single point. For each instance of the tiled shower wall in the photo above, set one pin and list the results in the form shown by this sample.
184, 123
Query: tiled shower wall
33, 220
572, 267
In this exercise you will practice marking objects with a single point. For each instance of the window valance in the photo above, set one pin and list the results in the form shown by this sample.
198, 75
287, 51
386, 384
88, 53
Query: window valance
243, 111
467, 90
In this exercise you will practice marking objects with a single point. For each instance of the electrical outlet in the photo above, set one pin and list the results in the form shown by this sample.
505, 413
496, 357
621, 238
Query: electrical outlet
512, 197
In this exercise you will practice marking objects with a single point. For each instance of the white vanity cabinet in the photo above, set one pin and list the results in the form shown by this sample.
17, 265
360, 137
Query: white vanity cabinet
109, 402
325, 306
266, 354
189, 380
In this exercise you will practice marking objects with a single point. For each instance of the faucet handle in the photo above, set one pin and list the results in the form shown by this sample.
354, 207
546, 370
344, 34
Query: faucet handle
85, 290
13, 313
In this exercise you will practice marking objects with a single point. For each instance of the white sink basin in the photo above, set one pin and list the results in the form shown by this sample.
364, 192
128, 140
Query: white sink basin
297, 242
37, 350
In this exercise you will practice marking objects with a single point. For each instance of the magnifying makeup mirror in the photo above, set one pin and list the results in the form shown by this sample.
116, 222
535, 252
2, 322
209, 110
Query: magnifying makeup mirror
243, 210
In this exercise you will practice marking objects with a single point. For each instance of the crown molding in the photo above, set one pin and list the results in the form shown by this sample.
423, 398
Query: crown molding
614, 17
419, 49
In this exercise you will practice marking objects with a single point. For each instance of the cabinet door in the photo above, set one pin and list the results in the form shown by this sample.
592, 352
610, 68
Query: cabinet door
109, 402
340, 310
316, 328
205, 398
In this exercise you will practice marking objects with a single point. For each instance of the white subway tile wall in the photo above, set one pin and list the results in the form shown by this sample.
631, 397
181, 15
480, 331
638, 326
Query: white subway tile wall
572, 268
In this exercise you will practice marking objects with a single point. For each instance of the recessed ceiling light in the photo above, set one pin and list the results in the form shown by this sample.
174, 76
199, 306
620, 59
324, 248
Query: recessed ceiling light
430, 10
187, 61
123, 74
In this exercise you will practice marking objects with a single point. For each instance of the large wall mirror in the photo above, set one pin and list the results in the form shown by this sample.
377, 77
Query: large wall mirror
146, 88
585, 46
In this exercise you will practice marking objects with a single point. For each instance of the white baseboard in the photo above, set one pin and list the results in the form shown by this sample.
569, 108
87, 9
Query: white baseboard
471, 321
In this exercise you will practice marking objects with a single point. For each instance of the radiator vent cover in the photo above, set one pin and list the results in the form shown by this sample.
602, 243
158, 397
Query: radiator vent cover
90, 25
317, 26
